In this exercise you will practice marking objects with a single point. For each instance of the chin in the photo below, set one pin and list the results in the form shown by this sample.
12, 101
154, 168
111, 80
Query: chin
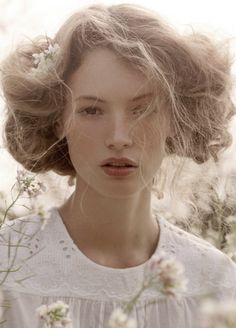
121, 191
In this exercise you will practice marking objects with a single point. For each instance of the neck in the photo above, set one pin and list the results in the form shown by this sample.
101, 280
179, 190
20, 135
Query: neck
111, 228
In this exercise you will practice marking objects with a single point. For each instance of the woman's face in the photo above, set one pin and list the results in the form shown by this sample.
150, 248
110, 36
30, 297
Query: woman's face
104, 124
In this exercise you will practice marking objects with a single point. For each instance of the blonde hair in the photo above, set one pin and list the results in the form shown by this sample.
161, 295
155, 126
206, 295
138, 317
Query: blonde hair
192, 71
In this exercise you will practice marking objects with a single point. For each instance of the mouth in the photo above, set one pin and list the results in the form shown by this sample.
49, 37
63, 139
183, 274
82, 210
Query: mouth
121, 166
118, 170
118, 166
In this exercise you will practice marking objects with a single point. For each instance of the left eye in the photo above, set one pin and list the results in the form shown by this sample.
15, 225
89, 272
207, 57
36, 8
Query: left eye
138, 110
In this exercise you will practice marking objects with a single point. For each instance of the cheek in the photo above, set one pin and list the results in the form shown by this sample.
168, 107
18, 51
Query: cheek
150, 137
83, 134
84, 143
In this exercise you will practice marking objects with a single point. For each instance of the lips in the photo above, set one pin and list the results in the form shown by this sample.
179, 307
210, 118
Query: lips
119, 162
119, 166
118, 171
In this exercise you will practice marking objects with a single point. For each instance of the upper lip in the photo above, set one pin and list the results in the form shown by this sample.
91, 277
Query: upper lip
123, 160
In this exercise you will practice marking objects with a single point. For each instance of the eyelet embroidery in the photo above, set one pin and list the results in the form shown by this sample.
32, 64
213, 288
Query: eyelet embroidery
117, 283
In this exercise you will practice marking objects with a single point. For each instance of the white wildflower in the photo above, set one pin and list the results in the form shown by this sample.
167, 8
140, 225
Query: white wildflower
28, 184
217, 314
45, 60
58, 306
42, 310
165, 274
55, 315
119, 319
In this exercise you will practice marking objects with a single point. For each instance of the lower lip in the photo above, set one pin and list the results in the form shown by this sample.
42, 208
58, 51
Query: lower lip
118, 172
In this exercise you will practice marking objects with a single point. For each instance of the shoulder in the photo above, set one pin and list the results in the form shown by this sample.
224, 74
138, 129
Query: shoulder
207, 268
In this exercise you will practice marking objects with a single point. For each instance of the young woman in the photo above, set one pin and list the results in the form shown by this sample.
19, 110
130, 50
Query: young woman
104, 101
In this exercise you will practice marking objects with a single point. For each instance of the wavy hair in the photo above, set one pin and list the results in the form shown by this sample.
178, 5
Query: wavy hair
193, 72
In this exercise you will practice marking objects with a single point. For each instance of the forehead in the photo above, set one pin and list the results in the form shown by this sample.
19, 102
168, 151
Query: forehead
105, 75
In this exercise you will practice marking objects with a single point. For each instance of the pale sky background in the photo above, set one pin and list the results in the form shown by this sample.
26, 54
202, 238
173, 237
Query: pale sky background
22, 18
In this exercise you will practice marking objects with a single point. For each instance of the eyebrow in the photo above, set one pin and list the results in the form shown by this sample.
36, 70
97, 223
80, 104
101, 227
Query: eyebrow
88, 97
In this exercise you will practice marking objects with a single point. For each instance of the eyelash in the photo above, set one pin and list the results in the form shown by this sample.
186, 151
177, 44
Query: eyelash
83, 111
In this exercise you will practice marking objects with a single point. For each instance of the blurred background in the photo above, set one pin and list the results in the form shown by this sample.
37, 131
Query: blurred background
207, 191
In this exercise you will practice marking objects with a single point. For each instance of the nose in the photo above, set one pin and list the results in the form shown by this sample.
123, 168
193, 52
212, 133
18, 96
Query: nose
118, 136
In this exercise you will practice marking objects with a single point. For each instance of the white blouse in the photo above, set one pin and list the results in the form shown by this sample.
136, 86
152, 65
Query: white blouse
47, 266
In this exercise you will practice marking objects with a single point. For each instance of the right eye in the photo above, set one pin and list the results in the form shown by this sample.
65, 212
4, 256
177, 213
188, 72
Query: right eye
89, 111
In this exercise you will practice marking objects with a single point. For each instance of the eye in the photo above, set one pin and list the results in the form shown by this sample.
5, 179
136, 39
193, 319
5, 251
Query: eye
143, 109
89, 111
138, 110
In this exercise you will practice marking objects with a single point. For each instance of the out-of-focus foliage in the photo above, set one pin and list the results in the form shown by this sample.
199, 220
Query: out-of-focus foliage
204, 198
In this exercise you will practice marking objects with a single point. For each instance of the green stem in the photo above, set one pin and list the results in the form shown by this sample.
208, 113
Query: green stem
9, 207
129, 306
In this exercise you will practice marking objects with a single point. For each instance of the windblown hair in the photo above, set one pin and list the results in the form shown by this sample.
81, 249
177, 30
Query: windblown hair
193, 72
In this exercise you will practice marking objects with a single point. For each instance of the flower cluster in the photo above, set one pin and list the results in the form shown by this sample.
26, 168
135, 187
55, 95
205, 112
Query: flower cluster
119, 319
165, 274
218, 314
28, 184
45, 60
55, 315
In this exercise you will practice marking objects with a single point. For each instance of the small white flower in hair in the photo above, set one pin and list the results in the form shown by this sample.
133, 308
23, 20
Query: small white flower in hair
45, 60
